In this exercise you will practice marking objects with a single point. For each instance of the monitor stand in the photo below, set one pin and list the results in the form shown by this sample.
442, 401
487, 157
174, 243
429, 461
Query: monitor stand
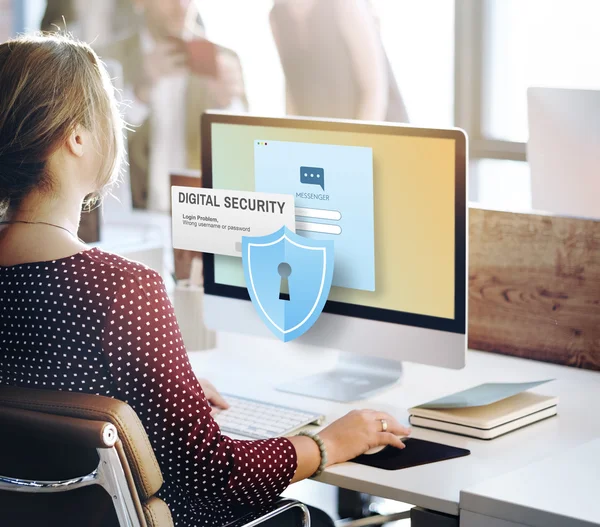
355, 377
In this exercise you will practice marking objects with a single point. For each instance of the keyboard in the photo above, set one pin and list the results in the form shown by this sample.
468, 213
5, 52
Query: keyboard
260, 420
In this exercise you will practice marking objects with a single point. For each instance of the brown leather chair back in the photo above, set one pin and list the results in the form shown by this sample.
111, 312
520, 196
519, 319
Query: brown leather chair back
51, 436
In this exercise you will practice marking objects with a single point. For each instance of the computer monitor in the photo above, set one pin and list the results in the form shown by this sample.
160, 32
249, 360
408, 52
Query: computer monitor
398, 220
564, 151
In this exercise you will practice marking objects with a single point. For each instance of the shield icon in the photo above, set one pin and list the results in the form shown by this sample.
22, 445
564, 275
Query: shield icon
282, 259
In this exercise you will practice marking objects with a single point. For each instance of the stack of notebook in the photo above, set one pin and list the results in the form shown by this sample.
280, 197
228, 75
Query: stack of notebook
486, 411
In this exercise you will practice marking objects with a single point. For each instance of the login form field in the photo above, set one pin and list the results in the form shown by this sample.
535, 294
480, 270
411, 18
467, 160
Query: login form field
332, 187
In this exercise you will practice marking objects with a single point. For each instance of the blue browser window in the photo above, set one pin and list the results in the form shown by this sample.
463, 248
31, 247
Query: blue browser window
332, 187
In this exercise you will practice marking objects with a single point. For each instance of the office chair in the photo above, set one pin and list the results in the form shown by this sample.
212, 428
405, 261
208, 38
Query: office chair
79, 459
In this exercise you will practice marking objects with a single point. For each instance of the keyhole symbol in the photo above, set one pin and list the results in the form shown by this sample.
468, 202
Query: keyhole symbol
284, 271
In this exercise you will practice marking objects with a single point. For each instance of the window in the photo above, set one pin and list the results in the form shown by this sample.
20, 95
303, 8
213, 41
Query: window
32, 12
536, 43
503, 47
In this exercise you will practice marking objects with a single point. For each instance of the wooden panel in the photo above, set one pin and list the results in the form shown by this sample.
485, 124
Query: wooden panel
534, 287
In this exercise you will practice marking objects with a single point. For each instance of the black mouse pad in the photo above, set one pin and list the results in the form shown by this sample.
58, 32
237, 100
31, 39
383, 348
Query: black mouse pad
417, 452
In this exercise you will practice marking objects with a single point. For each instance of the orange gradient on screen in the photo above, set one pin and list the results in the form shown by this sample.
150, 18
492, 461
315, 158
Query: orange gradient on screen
414, 195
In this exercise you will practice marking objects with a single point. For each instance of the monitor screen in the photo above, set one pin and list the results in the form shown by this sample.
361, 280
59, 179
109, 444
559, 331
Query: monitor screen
388, 196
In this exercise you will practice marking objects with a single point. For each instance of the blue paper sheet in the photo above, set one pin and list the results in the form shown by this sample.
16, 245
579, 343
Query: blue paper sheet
482, 395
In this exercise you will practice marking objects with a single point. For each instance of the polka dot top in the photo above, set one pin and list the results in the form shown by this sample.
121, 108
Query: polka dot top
98, 323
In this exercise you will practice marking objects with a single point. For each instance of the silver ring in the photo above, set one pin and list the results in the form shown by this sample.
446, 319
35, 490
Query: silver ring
384, 425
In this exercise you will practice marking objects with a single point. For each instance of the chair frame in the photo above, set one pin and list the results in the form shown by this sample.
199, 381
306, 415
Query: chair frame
109, 474
113, 467
272, 511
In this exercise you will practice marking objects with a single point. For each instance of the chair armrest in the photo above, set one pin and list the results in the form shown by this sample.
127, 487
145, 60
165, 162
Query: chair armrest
270, 511
84, 432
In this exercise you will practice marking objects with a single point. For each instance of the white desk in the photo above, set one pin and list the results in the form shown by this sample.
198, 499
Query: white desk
252, 367
560, 491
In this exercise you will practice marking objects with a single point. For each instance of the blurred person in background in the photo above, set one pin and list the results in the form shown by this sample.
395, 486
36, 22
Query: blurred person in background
168, 84
60, 15
89, 21
334, 61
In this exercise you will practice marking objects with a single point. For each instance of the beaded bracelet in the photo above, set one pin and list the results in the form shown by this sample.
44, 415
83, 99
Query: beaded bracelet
322, 450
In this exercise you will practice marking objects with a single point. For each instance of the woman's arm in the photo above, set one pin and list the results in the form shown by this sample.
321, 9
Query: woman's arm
362, 38
308, 456
152, 373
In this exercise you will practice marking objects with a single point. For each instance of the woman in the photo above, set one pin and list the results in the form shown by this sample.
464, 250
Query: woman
334, 61
80, 319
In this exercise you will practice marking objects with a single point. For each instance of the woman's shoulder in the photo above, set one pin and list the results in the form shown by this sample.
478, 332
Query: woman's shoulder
119, 267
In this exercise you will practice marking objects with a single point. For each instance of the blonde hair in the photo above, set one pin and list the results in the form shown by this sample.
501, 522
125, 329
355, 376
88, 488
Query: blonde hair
49, 85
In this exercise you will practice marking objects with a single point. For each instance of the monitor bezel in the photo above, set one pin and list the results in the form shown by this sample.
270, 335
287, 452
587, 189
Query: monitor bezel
455, 325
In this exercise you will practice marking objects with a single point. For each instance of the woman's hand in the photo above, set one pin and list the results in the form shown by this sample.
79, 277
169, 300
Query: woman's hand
213, 396
359, 431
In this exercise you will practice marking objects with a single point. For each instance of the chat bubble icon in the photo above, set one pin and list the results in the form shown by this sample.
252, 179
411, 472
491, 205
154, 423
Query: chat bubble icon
312, 176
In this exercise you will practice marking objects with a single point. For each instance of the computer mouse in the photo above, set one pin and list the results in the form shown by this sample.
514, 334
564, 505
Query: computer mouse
377, 449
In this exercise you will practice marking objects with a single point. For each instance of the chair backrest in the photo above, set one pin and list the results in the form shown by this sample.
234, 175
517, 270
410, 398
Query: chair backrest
62, 441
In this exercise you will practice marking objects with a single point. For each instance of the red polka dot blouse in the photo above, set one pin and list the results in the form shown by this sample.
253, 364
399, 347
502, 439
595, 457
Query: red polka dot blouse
98, 323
